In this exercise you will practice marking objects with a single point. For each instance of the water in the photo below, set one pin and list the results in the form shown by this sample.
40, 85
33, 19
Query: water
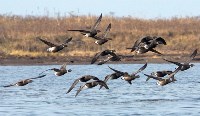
47, 96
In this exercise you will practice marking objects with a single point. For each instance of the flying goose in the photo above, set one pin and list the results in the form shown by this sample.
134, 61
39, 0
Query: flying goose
100, 40
93, 31
164, 81
186, 65
129, 77
59, 72
53, 47
146, 44
24, 82
91, 85
84, 78
112, 76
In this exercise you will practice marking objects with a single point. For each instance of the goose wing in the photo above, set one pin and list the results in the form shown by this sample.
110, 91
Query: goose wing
10, 85
192, 56
141, 69
80, 30
177, 63
155, 51
73, 85
153, 77
122, 73
104, 61
96, 57
47, 43
172, 74
63, 67
107, 30
79, 90
40, 76
102, 83
160, 40
97, 23
105, 80
67, 40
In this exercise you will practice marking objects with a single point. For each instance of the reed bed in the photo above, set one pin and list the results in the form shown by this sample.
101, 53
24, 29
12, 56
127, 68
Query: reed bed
18, 34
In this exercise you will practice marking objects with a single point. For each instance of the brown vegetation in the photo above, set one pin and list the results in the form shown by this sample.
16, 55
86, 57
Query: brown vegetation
18, 34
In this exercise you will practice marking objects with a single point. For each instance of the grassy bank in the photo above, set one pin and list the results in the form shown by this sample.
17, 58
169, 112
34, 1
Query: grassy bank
18, 34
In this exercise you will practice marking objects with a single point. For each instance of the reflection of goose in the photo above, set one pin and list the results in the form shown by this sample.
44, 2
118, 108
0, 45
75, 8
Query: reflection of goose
127, 77
53, 47
165, 81
103, 39
24, 82
82, 79
93, 31
91, 85
186, 65
146, 44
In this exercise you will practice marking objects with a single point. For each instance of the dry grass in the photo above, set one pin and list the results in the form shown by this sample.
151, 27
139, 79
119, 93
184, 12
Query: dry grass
18, 34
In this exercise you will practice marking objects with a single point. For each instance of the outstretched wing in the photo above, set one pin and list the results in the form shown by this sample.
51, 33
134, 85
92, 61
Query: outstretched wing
107, 30
67, 40
141, 69
96, 57
79, 30
9, 85
40, 76
102, 83
105, 80
172, 74
153, 77
104, 61
73, 85
177, 63
160, 40
192, 56
47, 43
122, 73
97, 23
63, 67
155, 51
79, 90
126, 56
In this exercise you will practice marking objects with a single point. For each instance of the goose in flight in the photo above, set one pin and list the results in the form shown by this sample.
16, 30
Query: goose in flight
53, 47
186, 65
93, 31
84, 78
91, 85
24, 82
129, 77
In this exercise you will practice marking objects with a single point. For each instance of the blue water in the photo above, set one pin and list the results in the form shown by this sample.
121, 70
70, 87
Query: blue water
47, 96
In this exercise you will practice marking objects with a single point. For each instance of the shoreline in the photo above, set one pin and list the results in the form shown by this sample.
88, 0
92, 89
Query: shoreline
28, 61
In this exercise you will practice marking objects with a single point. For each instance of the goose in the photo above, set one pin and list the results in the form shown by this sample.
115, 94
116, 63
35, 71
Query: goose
91, 85
186, 65
24, 82
93, 31
53, 47
164, 81
146, 44
129, 77
100, 40
84, 78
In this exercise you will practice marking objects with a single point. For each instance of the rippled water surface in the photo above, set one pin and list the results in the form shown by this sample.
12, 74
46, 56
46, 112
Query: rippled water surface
47, 96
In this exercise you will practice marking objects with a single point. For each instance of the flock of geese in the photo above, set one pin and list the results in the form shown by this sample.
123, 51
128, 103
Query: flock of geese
141, 46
